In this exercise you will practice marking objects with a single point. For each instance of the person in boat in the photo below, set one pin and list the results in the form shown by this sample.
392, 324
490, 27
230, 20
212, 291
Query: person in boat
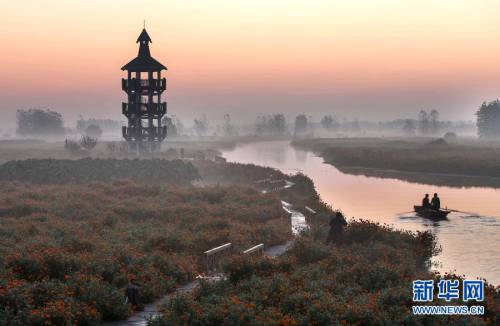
436, 202
337, 225
425, 202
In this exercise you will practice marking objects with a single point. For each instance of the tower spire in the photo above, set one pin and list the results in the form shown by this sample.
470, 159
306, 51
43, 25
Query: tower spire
144, 41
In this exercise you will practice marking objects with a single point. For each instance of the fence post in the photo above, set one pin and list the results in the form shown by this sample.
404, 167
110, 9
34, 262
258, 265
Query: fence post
214, 255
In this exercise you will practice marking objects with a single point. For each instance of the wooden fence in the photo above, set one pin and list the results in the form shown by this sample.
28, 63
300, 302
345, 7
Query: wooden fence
215, 256
255, 250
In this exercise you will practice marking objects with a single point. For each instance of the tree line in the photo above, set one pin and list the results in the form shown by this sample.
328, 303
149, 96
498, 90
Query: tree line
46, 122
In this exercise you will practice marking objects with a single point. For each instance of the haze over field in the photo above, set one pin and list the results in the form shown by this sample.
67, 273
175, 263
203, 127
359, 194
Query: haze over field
368, 59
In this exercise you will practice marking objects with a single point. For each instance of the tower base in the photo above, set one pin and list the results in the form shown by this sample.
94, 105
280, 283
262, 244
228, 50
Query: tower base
144, 147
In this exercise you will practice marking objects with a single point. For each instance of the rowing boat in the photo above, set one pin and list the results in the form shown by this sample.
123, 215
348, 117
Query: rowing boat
431, 213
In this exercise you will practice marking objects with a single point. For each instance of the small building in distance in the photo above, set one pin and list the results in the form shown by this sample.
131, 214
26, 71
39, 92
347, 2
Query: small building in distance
144, 108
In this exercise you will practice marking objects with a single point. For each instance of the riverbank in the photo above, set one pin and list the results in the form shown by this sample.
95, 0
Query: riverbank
366, 280
450, 163
175, 148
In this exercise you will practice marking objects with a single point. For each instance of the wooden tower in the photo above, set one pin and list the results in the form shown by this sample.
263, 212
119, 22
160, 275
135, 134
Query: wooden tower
144, 109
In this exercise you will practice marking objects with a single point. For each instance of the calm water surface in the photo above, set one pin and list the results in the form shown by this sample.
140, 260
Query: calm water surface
470, 241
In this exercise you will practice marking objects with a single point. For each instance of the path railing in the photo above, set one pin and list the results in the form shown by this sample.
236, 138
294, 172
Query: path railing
215, 256
310, 210
257, 250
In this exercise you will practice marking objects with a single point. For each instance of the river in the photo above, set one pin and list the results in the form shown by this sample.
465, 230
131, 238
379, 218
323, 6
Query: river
470, 241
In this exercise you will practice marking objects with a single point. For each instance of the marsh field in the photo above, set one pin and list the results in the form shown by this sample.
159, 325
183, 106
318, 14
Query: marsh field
75, 230
476, 162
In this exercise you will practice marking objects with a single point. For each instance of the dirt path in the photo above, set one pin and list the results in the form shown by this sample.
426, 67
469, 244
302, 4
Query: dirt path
150, 310
298, 223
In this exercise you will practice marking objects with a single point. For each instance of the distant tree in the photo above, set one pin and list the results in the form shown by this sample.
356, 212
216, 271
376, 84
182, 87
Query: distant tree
179, 126
88, 143
39, 122
228, 128
171, 127
434, 122
271, 125
300, 124
330, 123
278, 125
81, 125
93, 131
423, 122
104, 124
409, 127
327, 122
201, 125
488, 120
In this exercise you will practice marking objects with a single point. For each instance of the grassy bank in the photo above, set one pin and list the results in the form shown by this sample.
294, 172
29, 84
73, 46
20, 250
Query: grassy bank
19, 149
52, 171
365, 281
410, 155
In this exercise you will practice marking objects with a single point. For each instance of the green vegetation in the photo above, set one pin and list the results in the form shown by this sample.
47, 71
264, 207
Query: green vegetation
87, 170
488, 120
38, 122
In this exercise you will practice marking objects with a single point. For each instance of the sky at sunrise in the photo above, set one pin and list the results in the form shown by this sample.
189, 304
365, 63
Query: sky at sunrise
369, 59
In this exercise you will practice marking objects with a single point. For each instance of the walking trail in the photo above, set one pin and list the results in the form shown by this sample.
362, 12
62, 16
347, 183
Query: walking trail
298, 223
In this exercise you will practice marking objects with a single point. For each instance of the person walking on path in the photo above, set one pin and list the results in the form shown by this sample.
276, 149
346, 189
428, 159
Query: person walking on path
337, 225
132, 294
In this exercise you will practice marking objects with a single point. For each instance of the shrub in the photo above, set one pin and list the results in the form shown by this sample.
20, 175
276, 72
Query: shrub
88, 143
50, 171
366, 281
75, 264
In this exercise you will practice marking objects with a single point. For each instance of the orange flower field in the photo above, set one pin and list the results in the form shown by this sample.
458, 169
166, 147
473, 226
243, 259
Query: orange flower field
67, 252
365, 281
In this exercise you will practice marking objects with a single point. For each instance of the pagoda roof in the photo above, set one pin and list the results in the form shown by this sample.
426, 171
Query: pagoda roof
144, 64
144, 61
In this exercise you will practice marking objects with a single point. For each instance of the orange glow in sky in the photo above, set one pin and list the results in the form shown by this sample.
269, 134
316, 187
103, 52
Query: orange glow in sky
360, 58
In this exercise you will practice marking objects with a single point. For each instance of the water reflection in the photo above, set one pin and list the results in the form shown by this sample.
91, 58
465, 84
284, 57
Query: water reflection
436, 179
470, 241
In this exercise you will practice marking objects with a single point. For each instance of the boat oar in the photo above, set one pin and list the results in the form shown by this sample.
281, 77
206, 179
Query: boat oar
409, 212
457, 211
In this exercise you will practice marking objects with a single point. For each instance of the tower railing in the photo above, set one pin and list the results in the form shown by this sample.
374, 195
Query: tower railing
156, 108
144, 84
144, 133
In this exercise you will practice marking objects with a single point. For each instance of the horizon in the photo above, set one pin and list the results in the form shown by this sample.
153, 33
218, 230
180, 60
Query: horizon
362, 60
